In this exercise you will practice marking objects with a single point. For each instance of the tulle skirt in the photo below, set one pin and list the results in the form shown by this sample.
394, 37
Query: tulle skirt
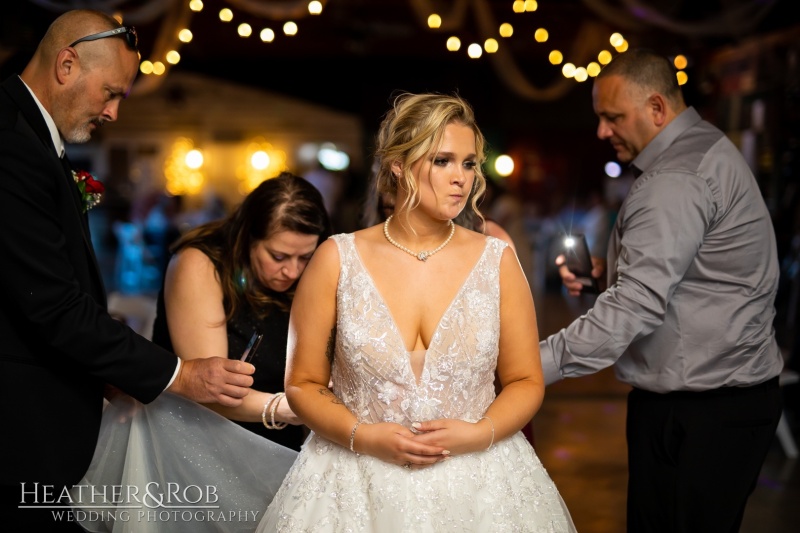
174, 466
333, 490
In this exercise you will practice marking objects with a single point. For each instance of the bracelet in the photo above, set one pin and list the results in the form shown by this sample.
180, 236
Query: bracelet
278, 425
271, 406
492, 423
264, 414
353, 436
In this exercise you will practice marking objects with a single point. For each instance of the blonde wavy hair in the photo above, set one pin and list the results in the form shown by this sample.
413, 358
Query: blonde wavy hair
412, 130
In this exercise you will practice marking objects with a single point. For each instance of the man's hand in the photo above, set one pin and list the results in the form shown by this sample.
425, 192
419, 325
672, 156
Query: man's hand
214, 380
568, 278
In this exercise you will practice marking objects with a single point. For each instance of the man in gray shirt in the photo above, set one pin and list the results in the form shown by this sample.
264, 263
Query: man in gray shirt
687, 316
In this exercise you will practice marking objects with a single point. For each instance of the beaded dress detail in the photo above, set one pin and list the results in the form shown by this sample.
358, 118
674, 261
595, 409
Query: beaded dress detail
331, 489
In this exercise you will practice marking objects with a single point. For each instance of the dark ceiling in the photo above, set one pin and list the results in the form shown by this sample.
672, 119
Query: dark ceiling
355, 54
357, 50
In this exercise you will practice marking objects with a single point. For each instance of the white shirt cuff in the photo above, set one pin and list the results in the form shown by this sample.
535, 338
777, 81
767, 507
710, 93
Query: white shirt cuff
174, 374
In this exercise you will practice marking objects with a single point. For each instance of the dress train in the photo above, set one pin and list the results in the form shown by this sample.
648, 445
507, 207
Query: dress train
175, 466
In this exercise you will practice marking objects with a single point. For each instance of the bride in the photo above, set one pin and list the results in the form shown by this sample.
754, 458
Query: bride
411, 321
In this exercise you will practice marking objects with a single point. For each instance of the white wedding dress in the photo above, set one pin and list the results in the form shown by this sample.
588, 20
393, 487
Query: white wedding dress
331, 489
174, 466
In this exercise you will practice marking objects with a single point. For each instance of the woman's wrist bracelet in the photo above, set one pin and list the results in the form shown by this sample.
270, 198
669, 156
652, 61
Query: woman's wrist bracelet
264, 413
276, 425
492, 423
271, 406
353, 436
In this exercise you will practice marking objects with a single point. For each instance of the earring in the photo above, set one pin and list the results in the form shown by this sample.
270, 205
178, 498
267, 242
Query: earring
242, 279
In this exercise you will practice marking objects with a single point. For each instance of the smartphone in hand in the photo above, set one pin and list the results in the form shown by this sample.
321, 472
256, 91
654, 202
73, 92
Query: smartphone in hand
579, 262
252, 346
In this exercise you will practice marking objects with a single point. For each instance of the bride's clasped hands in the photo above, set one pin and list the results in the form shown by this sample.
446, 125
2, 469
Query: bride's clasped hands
456, 436
397, 444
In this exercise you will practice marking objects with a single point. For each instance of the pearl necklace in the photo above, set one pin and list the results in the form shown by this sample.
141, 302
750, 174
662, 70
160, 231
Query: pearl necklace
423, 255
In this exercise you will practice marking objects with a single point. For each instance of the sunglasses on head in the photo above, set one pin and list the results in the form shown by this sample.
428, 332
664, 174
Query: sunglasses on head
128, 32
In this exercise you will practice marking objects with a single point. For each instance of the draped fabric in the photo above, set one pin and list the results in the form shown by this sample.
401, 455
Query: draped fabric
174, 466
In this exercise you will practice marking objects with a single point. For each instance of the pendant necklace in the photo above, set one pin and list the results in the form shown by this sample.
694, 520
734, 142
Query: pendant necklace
423, 255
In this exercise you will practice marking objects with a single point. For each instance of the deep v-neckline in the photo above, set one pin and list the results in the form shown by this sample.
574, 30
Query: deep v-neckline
395, 327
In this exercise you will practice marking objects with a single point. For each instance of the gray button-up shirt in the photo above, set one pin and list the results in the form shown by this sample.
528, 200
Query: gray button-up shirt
692, 274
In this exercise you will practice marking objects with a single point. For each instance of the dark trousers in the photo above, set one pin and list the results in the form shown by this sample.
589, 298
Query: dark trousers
694, 457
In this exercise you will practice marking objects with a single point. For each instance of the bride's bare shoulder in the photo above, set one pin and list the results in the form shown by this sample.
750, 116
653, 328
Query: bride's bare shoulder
472, 237
369, 235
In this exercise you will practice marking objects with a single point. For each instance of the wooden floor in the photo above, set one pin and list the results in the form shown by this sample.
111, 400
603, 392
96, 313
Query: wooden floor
579, 435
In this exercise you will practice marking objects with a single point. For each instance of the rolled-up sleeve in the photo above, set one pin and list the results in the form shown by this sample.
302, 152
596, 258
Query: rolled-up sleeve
659, 230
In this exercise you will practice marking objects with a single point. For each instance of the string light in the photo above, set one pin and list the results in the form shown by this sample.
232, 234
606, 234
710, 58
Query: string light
453, 44
434, 21
315, 7
474, 51
244, 30
290, 28
681, 63
540, 35
267, 35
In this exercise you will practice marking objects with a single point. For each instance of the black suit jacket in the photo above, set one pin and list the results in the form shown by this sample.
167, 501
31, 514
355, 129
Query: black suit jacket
58, 344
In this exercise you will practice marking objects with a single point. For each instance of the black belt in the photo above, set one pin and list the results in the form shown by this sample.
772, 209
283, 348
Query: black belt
770, 384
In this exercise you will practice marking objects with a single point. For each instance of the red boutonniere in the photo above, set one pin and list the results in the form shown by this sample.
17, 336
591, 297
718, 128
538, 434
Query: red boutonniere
91, 190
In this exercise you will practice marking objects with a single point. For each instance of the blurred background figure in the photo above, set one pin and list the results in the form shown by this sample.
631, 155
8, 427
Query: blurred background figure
503, 208
330, 185
212, 208
160, 230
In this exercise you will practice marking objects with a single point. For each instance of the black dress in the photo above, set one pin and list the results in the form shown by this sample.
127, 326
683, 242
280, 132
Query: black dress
269, 359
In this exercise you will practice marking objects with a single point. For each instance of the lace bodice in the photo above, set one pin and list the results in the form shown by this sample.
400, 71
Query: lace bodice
372, 371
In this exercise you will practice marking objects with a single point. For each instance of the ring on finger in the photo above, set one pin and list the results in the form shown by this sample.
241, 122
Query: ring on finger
407, 465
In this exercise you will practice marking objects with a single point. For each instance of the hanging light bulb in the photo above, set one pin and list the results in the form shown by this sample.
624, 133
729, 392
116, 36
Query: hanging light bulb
315, 7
